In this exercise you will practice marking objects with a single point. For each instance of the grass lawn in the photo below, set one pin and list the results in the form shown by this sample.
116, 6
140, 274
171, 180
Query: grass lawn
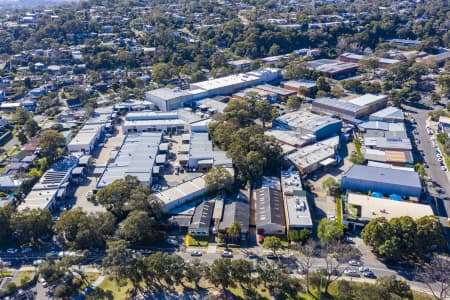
119, 293
239, 292
196, 242
5, 274
22, 274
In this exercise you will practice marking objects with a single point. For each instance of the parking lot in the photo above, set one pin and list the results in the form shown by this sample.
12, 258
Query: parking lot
101, 157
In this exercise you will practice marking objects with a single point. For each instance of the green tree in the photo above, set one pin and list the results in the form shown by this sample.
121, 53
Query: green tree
218, 179
444, 83
220, 273
21, 116
293, 102
29, 226
22, 138
264, 111
323, 85
332, 186
120, 264
195, 270
299, 236
81, 231
241, 271
137, 228
162, 72
272, 242
51, 143
395, 287
31, 127
234, 231
329, 231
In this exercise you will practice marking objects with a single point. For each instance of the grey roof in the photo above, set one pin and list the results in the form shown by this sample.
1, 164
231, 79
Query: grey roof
136, 157
306, 121
236, 211
202, 215
200, 147
344, 105
298, 212
388, 143
390, 113
383, 179
167, 94
269, 207
275, 89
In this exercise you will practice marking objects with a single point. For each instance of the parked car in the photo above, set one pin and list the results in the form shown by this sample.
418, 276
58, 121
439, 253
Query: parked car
271, 256
351, 273
227, 254
27, 250
196, 253
12, 251
369, 274
354, 262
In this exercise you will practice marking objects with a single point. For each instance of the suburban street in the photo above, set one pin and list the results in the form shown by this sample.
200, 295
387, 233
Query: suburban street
440, 178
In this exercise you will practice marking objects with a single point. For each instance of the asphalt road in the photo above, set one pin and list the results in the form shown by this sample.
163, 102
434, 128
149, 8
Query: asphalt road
440, 200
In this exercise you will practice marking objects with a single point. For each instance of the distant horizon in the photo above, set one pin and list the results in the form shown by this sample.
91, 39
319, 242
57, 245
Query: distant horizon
21, 4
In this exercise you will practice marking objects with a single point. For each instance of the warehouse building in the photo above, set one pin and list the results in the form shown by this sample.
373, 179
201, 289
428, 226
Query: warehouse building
352, 110
170, 99
200, 152
296, 85
315, 156
383, 129
236, 212
385, 181
387, 143
390, 114
51, 186
182, 193
136, 157
201, 221
333, 68
363, 208
270, 218
306, 123
383, 63
86, 139
297, 212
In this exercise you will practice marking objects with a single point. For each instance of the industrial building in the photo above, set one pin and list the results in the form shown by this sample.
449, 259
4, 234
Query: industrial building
308, 124
200, 152
398, 158
297, 212
388, 143
312, 157
383, 63
270, 218
444, 125
351, 110
86, 139
170, 99
51, 186
136, 157
333, 68
390, 114
88, 136
182, 193
201, 221
236, 212
383, 129
363, 208
384, 181
295, 85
